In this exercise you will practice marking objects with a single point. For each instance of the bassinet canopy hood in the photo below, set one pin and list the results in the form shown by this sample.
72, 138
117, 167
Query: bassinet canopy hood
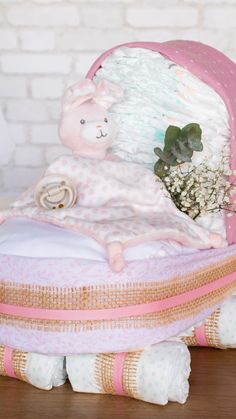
209, 65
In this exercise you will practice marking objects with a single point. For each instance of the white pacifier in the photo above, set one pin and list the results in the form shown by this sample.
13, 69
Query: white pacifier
55, 192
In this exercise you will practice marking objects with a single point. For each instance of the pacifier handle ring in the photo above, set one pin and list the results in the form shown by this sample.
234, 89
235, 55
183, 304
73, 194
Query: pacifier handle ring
45, 194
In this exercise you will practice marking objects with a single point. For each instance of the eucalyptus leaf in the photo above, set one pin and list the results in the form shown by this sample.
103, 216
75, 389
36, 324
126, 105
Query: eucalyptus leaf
158, 151
171, 159
195, 144
184, 148
182, 151
179, 147
191, 131
161, 154
161, 168
172, 133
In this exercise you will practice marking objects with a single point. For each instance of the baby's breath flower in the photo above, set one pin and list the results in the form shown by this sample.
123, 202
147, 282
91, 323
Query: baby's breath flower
201, 189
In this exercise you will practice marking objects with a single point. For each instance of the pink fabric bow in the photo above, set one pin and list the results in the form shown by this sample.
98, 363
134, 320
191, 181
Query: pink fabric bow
104, 94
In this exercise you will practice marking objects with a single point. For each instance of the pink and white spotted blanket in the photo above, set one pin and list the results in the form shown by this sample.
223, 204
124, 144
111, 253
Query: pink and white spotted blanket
120, 204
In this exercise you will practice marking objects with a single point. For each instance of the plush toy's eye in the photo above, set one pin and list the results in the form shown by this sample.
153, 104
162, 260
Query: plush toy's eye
105, 120
82, 121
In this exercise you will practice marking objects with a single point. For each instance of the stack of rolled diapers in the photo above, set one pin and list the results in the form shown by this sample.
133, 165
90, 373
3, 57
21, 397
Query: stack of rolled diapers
218, 330
159, 373
42, 371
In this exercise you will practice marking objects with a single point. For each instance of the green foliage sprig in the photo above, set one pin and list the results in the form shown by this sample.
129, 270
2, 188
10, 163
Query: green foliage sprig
179, 146
195, 190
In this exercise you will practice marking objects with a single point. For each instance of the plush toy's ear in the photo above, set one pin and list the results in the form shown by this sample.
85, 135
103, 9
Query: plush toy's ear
104, 94
108, 93
77, 94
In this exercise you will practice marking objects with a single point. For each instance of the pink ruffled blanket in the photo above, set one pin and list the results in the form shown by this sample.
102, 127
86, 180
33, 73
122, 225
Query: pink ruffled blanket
119, 204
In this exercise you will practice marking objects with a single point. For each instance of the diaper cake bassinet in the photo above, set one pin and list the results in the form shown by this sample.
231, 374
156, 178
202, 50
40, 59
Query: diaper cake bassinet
58, 293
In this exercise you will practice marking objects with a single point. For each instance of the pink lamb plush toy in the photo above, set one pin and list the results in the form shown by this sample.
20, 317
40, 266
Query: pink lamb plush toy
88, 130
85, 126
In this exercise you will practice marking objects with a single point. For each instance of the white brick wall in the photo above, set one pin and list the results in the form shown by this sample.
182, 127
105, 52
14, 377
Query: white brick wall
142, 17
37, 40
110, 16
45, 45
35, 63
18, 132
27, 110
23, 152
219, 18
32, 15
15, 87
8, 39
44, 134
47, 87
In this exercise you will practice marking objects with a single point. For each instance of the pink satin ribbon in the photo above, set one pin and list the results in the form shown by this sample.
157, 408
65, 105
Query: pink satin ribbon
7, 362
115, 313
117, 375
200, 335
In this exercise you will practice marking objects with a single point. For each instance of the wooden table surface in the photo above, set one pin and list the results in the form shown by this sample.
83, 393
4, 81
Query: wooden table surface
212, 395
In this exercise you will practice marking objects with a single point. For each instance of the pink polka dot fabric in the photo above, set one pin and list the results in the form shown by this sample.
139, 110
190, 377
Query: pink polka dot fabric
212, 67
120, 205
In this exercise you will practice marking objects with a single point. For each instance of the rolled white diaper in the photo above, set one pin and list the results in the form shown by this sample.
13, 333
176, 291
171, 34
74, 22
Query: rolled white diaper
157, 374
41, 371
218, 330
